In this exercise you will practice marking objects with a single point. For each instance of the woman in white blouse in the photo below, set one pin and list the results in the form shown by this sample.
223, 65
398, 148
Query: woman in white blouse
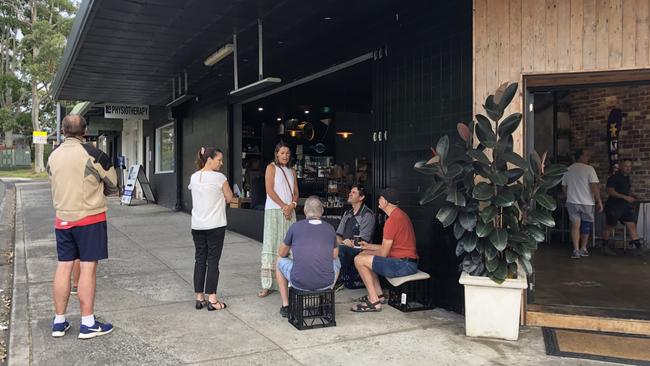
210, 195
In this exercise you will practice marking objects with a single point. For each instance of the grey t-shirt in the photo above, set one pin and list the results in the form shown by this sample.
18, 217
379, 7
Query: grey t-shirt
312, 243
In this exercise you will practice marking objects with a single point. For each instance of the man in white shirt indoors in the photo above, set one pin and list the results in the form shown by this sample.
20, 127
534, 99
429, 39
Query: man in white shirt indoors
580, 184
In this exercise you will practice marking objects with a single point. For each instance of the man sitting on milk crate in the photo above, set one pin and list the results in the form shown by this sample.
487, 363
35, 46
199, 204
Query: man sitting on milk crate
315, 264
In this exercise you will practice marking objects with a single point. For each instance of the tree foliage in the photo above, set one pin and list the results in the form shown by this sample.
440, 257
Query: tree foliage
13, 90
33, 35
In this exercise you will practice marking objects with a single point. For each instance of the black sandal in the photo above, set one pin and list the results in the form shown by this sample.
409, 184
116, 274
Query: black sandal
368, 307
364, 298
212, 307
199, 304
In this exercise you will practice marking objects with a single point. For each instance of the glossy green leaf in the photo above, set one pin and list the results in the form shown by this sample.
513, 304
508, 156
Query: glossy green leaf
456, 197
431, 169
518, 189
504, 144
467, 220
479, 156
511, 256
505, 198
555, 170
535, 161
481, 169
472, 206
546, 201
488, 213
490, 251
541, 216
516, 159
500, 274
499, 238
483, 229
467, 265
480, 246
469, 241
447, 215
483, 191
519, 237
550, 182
443, 147
509, 125
529, 178
527, 266
460, 249
484, 131
508, 94
453, 171
492, 109
536, 233
434, 191
476, 256
498, 178
458, 230
498, 94
528, 247
480, 268
514, 174
492, 264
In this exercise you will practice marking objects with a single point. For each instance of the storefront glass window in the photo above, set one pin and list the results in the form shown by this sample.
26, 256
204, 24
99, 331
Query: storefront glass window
165, 149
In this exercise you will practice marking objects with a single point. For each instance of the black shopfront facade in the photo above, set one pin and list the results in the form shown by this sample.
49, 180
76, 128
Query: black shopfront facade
420, 86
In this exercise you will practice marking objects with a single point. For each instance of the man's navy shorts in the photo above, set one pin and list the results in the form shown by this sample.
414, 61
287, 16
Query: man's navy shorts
87, 243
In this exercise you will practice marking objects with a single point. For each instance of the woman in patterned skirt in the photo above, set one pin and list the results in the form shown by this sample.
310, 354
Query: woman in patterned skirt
279, 212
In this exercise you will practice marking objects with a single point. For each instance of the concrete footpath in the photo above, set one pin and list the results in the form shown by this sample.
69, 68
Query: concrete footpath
145, 290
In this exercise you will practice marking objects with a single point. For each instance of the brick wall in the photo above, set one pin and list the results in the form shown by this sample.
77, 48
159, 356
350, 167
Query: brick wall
589, 110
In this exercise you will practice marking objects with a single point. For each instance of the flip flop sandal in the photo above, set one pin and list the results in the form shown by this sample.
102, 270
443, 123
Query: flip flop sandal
368, 307
264, 292
364, 298
220, 306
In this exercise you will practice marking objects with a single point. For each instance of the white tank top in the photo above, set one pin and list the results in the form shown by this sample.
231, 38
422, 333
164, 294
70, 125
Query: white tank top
284, 191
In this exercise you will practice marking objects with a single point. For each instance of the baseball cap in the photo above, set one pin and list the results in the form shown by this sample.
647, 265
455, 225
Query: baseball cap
390, 195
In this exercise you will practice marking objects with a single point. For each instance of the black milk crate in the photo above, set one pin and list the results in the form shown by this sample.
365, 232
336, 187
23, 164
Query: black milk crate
411, 296
311, 309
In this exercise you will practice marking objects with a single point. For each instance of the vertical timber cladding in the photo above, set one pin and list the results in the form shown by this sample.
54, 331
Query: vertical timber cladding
420, 91
517, 37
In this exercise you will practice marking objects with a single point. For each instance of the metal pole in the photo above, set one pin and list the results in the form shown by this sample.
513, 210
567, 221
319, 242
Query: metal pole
234, 41
185, 71
173, 89
260, 56
58, 122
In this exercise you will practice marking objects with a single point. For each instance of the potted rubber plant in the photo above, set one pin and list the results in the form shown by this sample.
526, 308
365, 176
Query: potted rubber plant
497, 205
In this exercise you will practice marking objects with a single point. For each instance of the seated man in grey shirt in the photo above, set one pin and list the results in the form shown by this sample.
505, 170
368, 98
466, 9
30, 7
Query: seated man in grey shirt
359, 222
315, 264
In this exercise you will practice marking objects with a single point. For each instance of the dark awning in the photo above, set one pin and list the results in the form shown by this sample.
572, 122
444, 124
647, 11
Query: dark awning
128, 51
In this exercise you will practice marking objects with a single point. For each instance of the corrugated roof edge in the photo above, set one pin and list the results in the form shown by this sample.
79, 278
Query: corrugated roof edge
75, 38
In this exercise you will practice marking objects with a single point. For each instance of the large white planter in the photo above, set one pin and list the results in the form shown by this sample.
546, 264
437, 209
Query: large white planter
492, 310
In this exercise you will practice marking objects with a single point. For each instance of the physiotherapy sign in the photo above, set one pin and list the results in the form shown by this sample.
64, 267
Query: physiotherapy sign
126, 111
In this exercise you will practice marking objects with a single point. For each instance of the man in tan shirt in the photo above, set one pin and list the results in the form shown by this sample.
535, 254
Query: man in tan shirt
81, 176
